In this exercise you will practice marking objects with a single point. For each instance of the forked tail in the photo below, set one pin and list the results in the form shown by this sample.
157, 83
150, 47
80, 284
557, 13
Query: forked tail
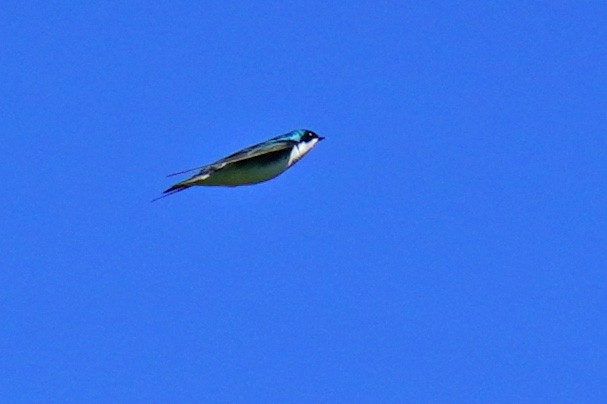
173, 190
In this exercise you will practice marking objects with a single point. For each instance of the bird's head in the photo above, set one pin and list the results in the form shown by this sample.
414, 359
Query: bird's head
306, 140
307, 136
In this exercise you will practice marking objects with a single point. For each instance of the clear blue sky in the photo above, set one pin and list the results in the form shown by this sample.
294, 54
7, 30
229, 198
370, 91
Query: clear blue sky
448, 241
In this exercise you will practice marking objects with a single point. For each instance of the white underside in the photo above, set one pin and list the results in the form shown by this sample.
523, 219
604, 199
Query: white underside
301, 150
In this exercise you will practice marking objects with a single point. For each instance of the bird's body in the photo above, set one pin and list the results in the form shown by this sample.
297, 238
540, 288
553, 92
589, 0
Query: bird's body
250, 171
252, 165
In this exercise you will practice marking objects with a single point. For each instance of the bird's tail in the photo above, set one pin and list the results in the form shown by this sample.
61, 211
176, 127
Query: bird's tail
185, 184
180, 186
173, 190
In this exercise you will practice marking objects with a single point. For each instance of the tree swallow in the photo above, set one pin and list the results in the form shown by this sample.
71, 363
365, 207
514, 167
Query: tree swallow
252, 165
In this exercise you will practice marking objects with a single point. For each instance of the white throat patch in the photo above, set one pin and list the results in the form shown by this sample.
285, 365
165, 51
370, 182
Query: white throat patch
300, 150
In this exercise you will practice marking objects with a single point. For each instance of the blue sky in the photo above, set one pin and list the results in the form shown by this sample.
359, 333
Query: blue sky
445, 243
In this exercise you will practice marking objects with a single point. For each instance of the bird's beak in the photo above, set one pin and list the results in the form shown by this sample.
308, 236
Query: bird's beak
321, 138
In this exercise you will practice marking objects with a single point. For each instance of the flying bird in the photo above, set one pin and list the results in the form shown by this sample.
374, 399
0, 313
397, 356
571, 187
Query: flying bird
252, 165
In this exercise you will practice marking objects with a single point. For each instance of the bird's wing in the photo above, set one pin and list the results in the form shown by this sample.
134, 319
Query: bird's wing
250, 152
254, 151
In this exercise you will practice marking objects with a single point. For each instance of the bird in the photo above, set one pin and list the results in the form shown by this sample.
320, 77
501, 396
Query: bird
252, 165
